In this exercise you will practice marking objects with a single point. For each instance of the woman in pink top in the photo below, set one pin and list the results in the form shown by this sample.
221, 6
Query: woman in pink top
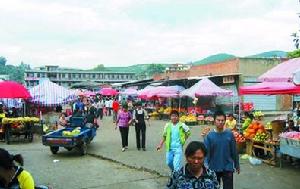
124, 119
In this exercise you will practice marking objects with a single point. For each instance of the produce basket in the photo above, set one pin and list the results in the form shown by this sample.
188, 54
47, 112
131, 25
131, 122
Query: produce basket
241, 147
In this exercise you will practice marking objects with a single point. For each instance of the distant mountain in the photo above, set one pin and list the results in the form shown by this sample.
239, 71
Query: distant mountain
214, 58
269, 54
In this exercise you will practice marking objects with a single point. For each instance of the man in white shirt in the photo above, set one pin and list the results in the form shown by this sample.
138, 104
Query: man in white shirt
100, 106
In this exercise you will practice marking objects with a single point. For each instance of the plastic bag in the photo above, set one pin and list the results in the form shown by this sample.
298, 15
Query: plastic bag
255, 161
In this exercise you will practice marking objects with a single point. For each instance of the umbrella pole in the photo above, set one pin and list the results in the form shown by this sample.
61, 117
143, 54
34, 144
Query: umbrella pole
179, 104
239, 110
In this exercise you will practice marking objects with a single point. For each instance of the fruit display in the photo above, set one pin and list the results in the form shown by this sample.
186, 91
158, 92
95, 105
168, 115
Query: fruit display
268, 126
191, 118
154, 114
75, 131
209, 118
253, 128
168, 110
182, 118
161, 110
260, 137
20, 120
246, 123
291, 135
258, 114
239, 138
201, 118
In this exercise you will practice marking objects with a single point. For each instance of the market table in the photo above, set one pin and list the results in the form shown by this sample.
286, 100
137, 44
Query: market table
268, 147
289, 147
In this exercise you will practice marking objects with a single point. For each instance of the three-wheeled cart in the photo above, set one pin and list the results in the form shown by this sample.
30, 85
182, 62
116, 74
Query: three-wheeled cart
56, 139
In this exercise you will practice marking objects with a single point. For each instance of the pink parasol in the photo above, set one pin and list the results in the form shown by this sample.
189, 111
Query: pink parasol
12, 89
108, 92
270, 88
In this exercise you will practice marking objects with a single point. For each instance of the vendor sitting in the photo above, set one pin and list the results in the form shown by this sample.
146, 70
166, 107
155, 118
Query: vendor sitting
90, 118
291, 127
230, 122
62, 122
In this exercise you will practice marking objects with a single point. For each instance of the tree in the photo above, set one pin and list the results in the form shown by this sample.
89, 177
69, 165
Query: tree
294, 54
2, 61
154, 69
99, 67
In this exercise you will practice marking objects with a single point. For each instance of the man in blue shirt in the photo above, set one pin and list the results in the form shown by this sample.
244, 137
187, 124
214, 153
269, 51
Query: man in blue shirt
222, 156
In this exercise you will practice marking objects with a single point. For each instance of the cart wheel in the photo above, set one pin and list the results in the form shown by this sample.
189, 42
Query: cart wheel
83, 149
7, 135
54, 149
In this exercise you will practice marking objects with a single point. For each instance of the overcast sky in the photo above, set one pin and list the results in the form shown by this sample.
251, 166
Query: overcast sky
84, 33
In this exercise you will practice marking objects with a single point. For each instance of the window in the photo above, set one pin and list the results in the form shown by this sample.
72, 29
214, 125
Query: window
63, 75
38, 75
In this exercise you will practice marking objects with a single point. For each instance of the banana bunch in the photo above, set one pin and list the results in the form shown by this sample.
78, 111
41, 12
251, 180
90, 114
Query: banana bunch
258, 114
20, 120
168, 110
191, 118
260, 137
182, 118
76, 131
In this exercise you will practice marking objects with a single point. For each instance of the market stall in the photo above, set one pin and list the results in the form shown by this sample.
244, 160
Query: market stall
50, 94
20, 125
204, 87
273, 84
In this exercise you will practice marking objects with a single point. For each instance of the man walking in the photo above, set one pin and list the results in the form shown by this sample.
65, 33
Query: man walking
139, 116
174, 135
222, 156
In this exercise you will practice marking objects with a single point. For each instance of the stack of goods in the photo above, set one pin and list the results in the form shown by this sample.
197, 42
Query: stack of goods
168, 110
20, 120
154, 115
161, 110
246, 123
240, 142
182, 118
256, 131
75, 132
258, 114
239, 138
201, 119
191, 120
209, 120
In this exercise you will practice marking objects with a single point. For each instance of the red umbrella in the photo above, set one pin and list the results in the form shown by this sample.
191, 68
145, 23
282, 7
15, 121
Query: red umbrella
12, 89
108, 92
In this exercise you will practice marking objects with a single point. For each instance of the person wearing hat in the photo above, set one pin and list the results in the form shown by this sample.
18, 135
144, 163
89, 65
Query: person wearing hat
124, 119
139, 116
12, 176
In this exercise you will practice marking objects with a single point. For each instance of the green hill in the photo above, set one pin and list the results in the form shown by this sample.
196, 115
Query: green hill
270, 54
214, 58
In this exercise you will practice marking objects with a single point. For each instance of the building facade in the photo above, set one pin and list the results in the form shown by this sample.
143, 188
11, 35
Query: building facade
68, 77
234, 73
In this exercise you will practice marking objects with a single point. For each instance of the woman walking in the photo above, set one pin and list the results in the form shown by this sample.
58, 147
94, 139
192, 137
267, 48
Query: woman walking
124, 119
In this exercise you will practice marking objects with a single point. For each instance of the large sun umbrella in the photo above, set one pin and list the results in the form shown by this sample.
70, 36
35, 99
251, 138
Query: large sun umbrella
205, 87
170, 91
270, 88
108, 92
48, 93
144, 92
12, 89
130, 92
283, 72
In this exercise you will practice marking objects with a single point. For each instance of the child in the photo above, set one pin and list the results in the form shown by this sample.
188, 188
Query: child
175, 135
